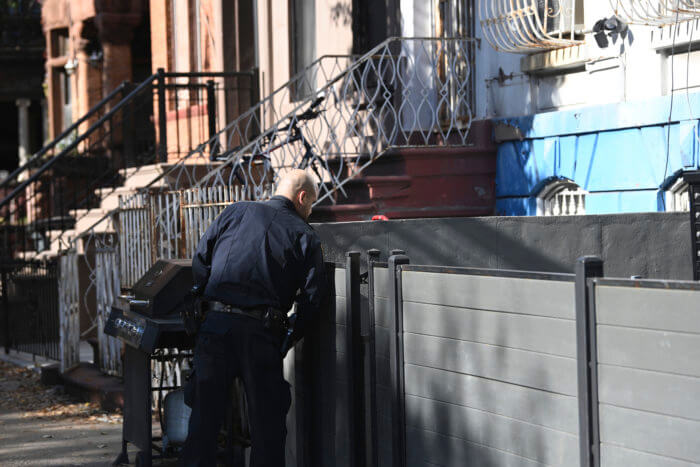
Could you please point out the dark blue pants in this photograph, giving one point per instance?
(230, 346)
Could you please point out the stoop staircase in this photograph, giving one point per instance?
(360, 124)
(387, 132)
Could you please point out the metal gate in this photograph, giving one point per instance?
(69, 310)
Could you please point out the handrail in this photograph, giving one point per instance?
(254, 146)
(325, 89)
(65, 133)
(242, 117)
(77, 141)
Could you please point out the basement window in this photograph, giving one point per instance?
(678, 197)
(561, 198)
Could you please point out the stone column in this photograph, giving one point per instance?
(23, 129)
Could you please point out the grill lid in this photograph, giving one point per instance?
(161, 291)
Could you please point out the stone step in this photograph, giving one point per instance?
(87, 221)
(110, 197)
(144, 175)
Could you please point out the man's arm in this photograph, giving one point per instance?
(313, 292)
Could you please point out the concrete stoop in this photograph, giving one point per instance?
(87, 382)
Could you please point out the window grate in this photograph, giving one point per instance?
(656, 12)
(531, 25)
(561, 198)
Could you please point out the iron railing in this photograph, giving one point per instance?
(72, 174)
(531, 25)
(405, 92)
(656, 12)
(61, 186)
(30, 304)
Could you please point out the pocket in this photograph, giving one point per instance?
(210, 345)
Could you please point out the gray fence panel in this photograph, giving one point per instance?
(555, 411)
(507, 294)
(490, 369)
(382, 338)
(545, 445)
(616, 456)
(526, 332)
(646, 349)
(340, 429)
(648, 374)
(530, 369)
(648, 308)
(430, 448)
(650, 391)
(648, 432)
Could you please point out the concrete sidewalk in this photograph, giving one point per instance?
(42, 425)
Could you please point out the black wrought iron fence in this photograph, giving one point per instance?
(30, 308)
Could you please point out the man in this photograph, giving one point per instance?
(252, 263)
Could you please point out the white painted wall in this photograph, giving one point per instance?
(634, 69)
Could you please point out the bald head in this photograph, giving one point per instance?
(299, 187)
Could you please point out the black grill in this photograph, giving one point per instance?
(149, 321)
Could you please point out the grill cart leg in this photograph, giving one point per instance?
(123, 457)
(143, 458)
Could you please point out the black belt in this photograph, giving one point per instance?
(257, 313)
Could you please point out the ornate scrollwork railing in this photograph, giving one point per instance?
(656, 12)
(530, 25)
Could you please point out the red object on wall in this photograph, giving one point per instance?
(380, 217)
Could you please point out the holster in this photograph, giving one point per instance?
(276, 321)
(194, 311)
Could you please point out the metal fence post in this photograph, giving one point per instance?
(396, 361)
(5, 309)
(162, 118)
(211, 114)
(587, 267)
(352, 334)
(370, 366)
(693, 180)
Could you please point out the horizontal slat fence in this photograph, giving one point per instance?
(648, 361)
(489, 367)
(318, 422)
(383, 323)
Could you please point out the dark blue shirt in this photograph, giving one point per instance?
(258, 254)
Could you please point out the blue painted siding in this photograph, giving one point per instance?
(617, 152)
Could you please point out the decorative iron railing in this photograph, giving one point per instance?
(160, 119)
(404, 92)
(656, 12)
(531, 25)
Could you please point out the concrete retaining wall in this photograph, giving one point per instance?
(653, 245)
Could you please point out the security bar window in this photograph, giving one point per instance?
(562, 198)
(678, 197)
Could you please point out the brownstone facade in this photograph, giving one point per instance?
(90, 51)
